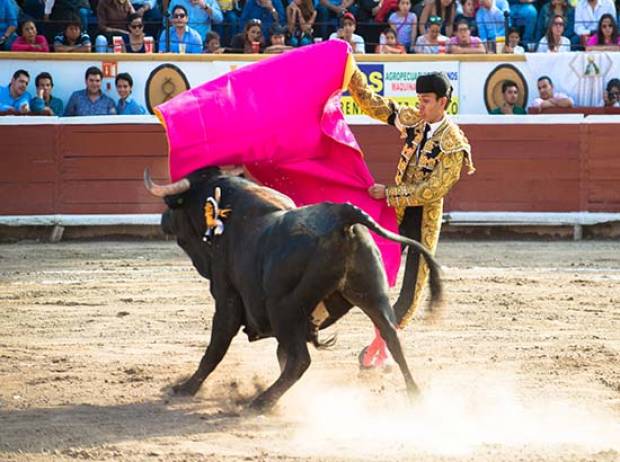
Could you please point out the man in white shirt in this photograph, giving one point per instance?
(589, 12)
(549, 97)
(346, 33)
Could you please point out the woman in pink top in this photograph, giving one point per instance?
(28, 39)
(606, 37)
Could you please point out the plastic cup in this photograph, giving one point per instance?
(499, 44)
(117, 42)
(255, 47)
(182, 48)
(149, 44)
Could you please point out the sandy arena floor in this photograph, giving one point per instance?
(523, 366)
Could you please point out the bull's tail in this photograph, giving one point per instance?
(355, 215)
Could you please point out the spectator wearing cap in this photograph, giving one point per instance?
(202, 14)
(463, 42)
(29, 40)
(251, 40)
(14, 99)
(268, 12)
(44, 102)
(183, 38)
(8, 23)
(278, 40)
(490, 20)
(548, 97)
(91, 101)
(126, 104)
(510, 95)
(72, 39)
(432, 41)
(347, 33)
(330, 13)
(445, 9)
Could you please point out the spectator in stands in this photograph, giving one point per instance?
(468, 13)
(445, 9)
(368, 9)
(134, 42)
(73, 40)
(347, 33)
(612, 93)
(548, 11)
(44, 103)
(278, 40)
(330, 13)
(405, 23)
(523, 13)
(251, 40)
(390, 43)
(431, 42)
(126, 104)
(510, 95)
(213, 45)
(554, 41)
(62, 10)
(386, 8)
(490, 20)
(29, 40)
(91, 101)
(183, 39)
(150, 13)
(300, 18)
(514, 39)
(202, 14)
(8, 23)
(606, 37)
(14, 99)
(549, 97)
(112, 19)
(268, 11)
(463, 42)
(587, 15)
(229, 27)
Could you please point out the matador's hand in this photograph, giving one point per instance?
(377, 191)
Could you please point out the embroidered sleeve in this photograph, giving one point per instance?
(445, 174)
(372, 104)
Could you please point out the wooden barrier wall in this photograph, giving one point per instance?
(97, 169)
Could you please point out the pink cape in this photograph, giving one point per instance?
(281, 119)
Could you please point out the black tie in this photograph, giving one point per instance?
(427, 128)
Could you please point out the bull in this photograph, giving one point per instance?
(281, 271)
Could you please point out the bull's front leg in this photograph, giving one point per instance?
(226, 323)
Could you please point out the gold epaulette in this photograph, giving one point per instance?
(453, 140)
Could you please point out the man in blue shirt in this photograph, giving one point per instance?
(126, 104)
(183, 39)
(269, 12)
(490, 21)
(44, 103)
(14, 99)
(8, 24)
(90, 101)
(201, 14)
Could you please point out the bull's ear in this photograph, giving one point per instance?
(217, 194)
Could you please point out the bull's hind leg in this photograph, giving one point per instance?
(226, 323)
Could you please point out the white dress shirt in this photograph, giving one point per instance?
(586, 17)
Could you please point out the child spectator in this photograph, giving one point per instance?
(606, 37)
(44, 103)
(347, 33)
(278, 40)
(432, 42)
(72, 40)
(469, 14)
(29, 40)
(405, 23)
(14, 99)
(554, 41)
(213, 45)
(463, 42)
(445, 9)
(513, 46)
(251, 40)
(523, 13)
(91, 101)
(183, 39)
(134, 42)
(300, 18)
(390, 43)
(126, 104)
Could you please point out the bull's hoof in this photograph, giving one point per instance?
(365, 363)
(188, 388)
(261, 406)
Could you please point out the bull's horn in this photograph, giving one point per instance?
(177, 187)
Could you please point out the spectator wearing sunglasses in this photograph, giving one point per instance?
(183, 39)
(606, 37)
(134, 42)
(268, 12)
(201, 14)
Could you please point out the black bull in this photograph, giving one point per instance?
(274, 264)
